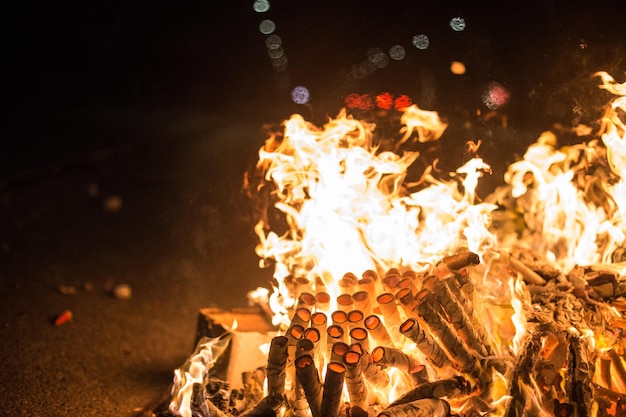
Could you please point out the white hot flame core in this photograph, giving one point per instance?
(348, 209)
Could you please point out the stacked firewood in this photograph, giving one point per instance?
(338, 364)
(360, 341)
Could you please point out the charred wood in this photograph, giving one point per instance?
(425, 342)
(473, 334)
(428, 407)
(391, 357)
(522, 375)
(580, 370)
(372, 372)
(451, 388)
(310, 382)
(464, 360)
(267, 407)
(528, 275)
(333, 387)
(357, 391)
(389, 309)
(276, 362)
(461, 260)
(378, 331)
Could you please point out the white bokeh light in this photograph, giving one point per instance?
(457, 24)
(267, 26)
(261, 6)
(421, 41)
(397, 52)
(273, 42)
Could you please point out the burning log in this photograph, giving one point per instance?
(334, 335)
(580, 371)
(345, 302)
(371, 372)
(451, 388)
(390, 282)
(389, 309)
(322, 300)
(387, 356)
(319, 321)
(522, 375)
(461, 260)
(355, 319)
(370, 282)
(306, 300)
(464, 360)
(408, 281)
(302, 317)
(425, 343)
(338, 350)
(528, 275)
(267, 407)
(362, 302)
(378, 331)
(340, 318)
(428, 407)
(313, 335)
(357, 390)
(333, 387)
(304, 347)
(348, 283)
(618, 364)
(311, 384)
(200, 405)
(276, 362)
(406, 298)
(359, 335)
(473, 334)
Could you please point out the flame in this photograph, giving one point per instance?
(348, 207)
(195, 371)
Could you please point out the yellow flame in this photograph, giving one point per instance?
(348, 209)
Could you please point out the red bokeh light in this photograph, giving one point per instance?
(402, 102)
(384, 101)
(359, 101)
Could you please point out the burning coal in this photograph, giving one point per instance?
(393, 298)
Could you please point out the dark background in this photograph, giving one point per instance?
(161, 104)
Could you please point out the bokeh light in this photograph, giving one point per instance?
(495, 95)
(300, 95)
(280, 64)
(273, 42)
(261, 6)
(276, 53)
(267, 26)
(377, 57)
(457, 24)
(457, 68)
(384, 101)
(397, 52)
(402, 102)
(359, 101)
(421, 41)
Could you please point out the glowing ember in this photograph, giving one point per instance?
(397, 299)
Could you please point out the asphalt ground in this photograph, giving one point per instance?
(165, 218)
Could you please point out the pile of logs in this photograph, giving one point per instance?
(455, 364)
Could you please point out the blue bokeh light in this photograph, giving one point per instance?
(300, 95)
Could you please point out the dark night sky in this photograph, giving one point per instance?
(63, 59)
